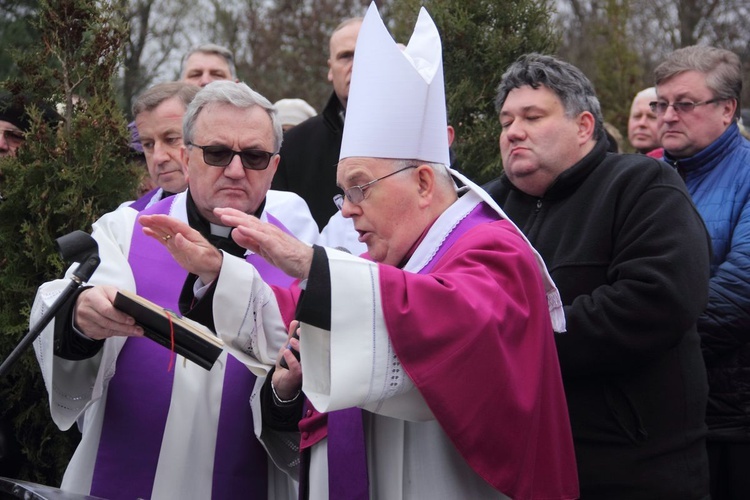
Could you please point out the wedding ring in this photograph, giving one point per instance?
(167, 237)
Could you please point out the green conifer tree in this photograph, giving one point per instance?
(67, 173)
(618, 72)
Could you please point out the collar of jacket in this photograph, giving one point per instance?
(710, 157)
(333, 112)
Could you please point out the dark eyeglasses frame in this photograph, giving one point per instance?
(246, 163)
(356, 194)
(661, 107)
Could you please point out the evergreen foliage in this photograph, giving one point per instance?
(16, 32)
(69, 171)
(618, 74)
(481, 38)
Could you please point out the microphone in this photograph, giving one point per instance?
(80, 247)
(76, 245)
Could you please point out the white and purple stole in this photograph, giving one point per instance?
(140, 393)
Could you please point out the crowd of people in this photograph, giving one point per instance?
(578, 327)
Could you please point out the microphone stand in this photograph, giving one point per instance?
(76, 244)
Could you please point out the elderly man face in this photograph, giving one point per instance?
(202, 68)
(11, 137)
(686, 132)
(390, 217)
(226, 127)
(643, 129)
(538, 140)
(160, 131)
(341, 46)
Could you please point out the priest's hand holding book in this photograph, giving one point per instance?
(96, 316)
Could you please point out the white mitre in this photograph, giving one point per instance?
(396, 105)
(396, 109)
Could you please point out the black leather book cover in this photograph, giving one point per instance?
(191, 340)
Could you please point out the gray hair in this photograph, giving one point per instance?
(238, 95)
(160, 92)
(722, 68)
(571, 86)
(441, 171)
(211, 49)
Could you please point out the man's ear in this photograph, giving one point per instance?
(330, 71)
(586, 124)
(426, 182)
(728, 111)
(273, 163)
(451, 135)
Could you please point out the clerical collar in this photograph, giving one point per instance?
(222, 231)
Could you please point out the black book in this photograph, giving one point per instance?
(192, 340)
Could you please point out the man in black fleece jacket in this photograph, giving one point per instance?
(630, 255)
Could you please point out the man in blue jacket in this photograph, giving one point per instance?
(697, 107)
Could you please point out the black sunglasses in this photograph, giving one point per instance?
(221, 156)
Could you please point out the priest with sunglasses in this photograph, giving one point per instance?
(155, 425)
(428, 370)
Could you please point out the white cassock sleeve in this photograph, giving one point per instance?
(247, 316)
(354, 365)
(73, 385)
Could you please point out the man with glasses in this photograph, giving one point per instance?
(433, 363)
(148, 431)
(698, 105)
(629, 253)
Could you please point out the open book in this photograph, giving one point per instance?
(191, 339)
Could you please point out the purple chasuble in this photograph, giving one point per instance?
(140, 392)
(347, 456)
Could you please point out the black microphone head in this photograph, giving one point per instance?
(76, 246)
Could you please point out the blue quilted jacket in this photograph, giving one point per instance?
(718, 179)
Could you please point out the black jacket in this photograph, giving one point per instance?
(630, 255)
(309, 156)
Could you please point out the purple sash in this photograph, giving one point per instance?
(139, 394)
(144, 200)
(347, 456)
